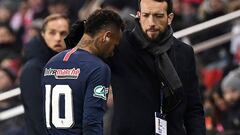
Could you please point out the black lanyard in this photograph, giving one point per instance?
(161, 98)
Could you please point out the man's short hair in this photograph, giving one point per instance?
(54, 17)
(169, 5)
(102, 18)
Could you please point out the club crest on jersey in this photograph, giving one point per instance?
(62, 73)
(100, 92)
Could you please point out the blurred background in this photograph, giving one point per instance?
(212, 27)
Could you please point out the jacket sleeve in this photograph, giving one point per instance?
(31, 97)
(194, 116)
(30, 80)
(95, 101)
(75, 34)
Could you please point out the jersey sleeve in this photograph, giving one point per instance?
(95, 101)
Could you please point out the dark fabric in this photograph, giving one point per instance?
(136, 90)
(76, 32)
(158, 48)
(231, 118)
(36, 56)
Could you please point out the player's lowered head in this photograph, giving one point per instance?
(55, 28)
(103, 31)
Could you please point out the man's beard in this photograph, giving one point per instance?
(159, 36)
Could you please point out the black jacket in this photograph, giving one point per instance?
(231, 118)
(36, 55)
(136, 91)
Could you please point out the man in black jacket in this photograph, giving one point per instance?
(152, 72)
(154, 78)
(37, 53)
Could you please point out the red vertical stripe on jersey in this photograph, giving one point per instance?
(67, 56)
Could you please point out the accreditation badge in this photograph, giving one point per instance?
(160, 124)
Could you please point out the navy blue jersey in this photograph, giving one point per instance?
(75, 85)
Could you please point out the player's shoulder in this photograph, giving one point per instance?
(88, 58)
(59, 56)
(56, 58)
(77, 57)
(99, 65)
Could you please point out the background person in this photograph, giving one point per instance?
(39, 50)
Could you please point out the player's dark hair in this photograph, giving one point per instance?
(169, 5)
(101, 19)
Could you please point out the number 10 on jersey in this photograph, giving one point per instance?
(52, 104)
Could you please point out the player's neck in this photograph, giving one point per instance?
(86, 43)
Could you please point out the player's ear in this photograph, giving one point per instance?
(106, 36)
